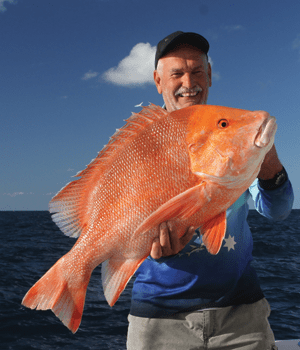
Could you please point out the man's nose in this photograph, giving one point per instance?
(188, 81)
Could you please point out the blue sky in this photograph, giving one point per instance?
(65, 86)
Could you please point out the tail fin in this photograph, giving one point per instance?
(65, 297)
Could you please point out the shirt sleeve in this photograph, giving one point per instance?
(275, 204)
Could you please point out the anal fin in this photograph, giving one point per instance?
(116, 273)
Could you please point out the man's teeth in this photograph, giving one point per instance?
(189, 94)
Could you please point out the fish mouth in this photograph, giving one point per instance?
(266, 132)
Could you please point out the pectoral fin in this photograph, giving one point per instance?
(213, 232)
(182, 207)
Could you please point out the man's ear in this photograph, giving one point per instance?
(157, 81)
(209, 73)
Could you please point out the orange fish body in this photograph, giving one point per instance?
(188, 166)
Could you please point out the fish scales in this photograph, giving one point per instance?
(187, 166)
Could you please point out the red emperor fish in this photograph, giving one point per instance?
(187, 166)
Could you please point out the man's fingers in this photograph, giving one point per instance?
(164, 237)
(168, 242)
(156, 251)
(161, 246)
(175, 246)
(184, 240)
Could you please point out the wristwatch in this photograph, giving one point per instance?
(278, 180)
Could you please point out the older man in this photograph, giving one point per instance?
(183, 297)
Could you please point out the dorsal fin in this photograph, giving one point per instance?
(70, 204)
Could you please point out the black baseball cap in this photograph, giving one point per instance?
(173, 40)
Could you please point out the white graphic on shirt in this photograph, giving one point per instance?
(229, 243)
(195, 248)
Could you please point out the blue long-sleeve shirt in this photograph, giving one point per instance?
(193, 279)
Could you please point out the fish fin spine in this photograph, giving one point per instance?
(70, 205)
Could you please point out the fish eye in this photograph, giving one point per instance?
(223, 123)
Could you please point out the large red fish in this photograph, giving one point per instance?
(188, 166)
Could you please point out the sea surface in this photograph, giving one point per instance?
(30, 243)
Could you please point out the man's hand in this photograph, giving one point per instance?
(168, 242)
(270, 166)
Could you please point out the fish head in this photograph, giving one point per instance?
(228, 144)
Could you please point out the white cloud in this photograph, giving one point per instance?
(2, 8)
(233, 28)
(14, 194)
(215, 75)
(296, 43)
(89, 75)
(135, 69)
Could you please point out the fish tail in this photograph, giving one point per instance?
(64, 296)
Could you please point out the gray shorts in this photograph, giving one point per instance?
(243, 327)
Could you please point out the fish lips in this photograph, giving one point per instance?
(266, 132)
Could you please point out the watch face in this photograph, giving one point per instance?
(280, 178)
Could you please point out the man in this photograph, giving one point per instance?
(183, 297)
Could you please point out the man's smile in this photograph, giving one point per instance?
(189, 94)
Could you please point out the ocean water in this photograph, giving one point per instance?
(31, 243)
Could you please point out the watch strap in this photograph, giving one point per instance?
(278, 180)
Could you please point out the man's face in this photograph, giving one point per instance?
(183, 77)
